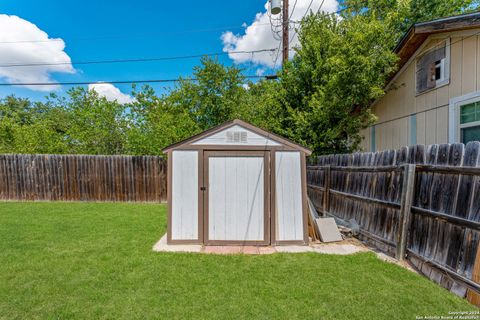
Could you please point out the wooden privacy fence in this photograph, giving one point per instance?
(421, 203)
(83, 178)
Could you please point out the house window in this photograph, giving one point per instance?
(440, 70)
(433, 68)
(464, 118)
(470, 122)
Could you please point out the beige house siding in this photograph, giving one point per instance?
(401, 107)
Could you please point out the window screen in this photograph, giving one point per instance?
(429, 69)
(470, 134)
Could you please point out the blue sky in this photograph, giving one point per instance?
(99, 30)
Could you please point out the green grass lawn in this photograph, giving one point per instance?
(89, 261)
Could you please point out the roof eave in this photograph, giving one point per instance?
(419, 32)
(231, 123)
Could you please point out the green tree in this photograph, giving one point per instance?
(321, 99)
(155, 122)
(339, 68)
(217, 95)
(27, 127)
(95, 124)
(400, 15)
(342, 65)
(263, 105)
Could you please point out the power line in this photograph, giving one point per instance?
(293, 10)
(306, 12)
(309, 6)
(137, 35)
(295, 32)
(267, 77)
(132, 36)
(324, 13)
(299, 21)
(321, 5)
(133, 60)
(277, 55)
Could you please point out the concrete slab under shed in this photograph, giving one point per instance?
(293, 249)
(162, 246)
(341, 248)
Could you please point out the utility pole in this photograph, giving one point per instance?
(282, 23)
(285, 34)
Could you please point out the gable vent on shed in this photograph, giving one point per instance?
(237, 137)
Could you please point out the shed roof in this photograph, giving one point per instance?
(246, 125)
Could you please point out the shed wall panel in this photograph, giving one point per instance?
(288, 190)
(184, 195)
(236, 198)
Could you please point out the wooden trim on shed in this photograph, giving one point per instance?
(199, 239)
(266, 191)
(169, 197)
(235, 148)
(273, 198)
(201, 196)
(268, 153)
(303, 164)
(303, 174)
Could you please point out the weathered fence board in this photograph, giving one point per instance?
(443, 232)
(83, 178)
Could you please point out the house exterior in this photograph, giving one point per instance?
(434, 97)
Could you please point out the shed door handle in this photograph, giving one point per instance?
(203, 188)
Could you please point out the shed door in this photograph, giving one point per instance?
(237, 198)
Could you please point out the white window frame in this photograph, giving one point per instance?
(454, 126)
(445, 64)
(442, 72)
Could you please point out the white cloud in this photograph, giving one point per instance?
(111, 92)
(258, 35)
(260, 72)
(22, 42)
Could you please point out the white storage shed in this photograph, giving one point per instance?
(237, 184)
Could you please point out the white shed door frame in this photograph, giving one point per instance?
(237, 197)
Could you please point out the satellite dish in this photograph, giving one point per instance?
(275, 6)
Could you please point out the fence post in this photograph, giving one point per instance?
(326, 194)
(405, 209)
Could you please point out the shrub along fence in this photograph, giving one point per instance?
(83, 178)
(420, 203)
